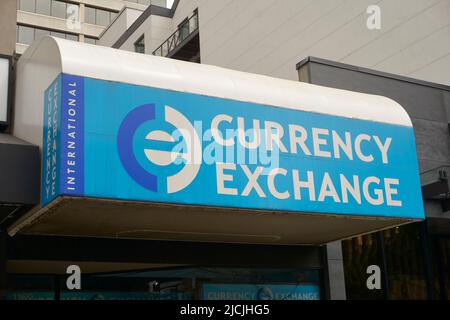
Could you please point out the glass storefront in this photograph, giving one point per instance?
(181, 283)
(404, 252)
(358, 254)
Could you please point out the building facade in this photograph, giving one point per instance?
(268, 37)
(81, 21)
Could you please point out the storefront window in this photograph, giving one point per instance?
(360, 253)
(26, 5)
(39, 33)
(59, 9)
(181, 283)
(442, 279)
(52, 8)
(31, 287)
(139, 45)
(25, 35)
(401, 249)
(405, 262)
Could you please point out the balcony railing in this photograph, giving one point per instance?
(175, 39)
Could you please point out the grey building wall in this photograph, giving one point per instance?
(8, 18)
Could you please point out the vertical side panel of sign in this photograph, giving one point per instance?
(51, 142)
(72, 135)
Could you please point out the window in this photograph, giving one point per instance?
(44, 7)
(90, 40)
(159, 3)
(59, 9)
(52, 8)
(39, 33)
(72, 37)
(139, 46)
(146, 2)
(58, 34)
(26, 35)
(405, 262)
(359, 253)
(401, 249)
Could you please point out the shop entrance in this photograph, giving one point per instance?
(113, 269)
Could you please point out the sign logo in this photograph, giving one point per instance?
(192, 155)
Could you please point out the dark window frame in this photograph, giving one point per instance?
(140, 43)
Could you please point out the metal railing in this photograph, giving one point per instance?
(185, 29)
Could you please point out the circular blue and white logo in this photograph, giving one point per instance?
(191, 156)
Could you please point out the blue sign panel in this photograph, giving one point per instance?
(260, 292)
(129, 142)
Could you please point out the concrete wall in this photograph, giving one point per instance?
(105, 4)
(271, 36)
(8, 10)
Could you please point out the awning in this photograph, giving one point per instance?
(138, 146)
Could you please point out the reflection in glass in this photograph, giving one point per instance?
(172, 284)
